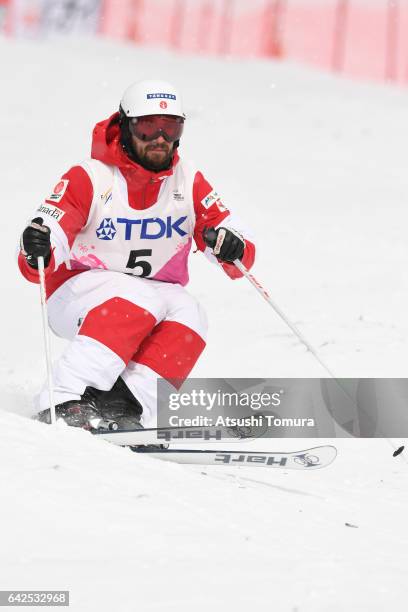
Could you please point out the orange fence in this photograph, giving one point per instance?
(362, 38)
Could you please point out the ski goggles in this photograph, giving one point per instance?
(150, 127)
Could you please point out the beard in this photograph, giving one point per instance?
(156, 157)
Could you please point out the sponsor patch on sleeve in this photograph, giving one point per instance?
(58, 192)
(51, 211)
(213, 198)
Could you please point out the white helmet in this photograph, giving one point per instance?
(152, 98)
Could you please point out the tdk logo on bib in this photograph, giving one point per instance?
(149, 229)
(106, 230)
(152, 229)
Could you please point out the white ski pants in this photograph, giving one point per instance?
(120, 324)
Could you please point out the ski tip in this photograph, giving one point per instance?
(398, 451)
(331, 454)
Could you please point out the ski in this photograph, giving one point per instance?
(140, 439)
(309, 459)
(179, 435)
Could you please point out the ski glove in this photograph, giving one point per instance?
(36, 242)
(227, 244)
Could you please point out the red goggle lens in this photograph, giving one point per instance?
(151, 127)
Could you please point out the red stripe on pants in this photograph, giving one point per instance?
(171, 350)
(118, 324)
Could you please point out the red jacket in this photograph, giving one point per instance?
(143, 189)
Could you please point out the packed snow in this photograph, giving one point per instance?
(317, 167)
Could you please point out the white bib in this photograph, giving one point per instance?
(153, 243)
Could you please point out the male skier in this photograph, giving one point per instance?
(115, 234)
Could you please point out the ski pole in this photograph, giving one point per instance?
(282, 315)
(264, 293)
(46, 338)
(210, 238)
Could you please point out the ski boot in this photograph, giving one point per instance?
(96, 410)
(112, 410)
(78, 413)
(121, 406)
(118, 405)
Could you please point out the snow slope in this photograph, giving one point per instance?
(317, 166)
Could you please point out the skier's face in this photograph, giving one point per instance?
(154, 154)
